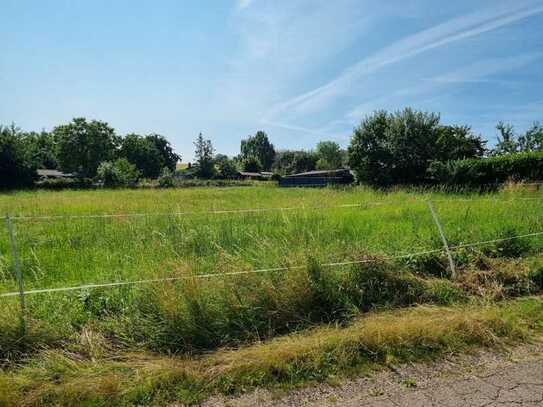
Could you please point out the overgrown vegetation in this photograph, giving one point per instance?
(82, 329)
(490, 171)
(93, 372)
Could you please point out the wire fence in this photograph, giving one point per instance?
(258, 210)
(267, 270)
(446, 247)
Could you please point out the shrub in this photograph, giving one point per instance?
(486, 171)
(65, 183)
(251, 164)
(381, 285)
(118, 173)
(227, 169)
(509, 248)
(166, 179)
(432, 264)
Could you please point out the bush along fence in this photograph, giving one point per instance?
(485, 172)
(447, 249)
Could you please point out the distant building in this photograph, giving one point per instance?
(318, 178)
(54, 174)
(261, 176)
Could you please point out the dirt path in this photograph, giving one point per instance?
(513, 378)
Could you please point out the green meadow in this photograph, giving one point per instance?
(172, 232)
(180, 234)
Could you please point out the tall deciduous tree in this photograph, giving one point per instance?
(83, 145)
(398, 148)
(507, 143)
(369, 155)
(43, 149)
(150, 154)
(457, 143)
(142, 153)
(17, 169)
(259, 146)
(168, 158)
(532, 140)
(330, 155)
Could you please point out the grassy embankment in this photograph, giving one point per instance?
(194, 315)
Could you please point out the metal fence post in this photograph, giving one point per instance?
(443, 239)
(18, 273)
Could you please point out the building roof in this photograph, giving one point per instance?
(53, 173)
(321, 173)
(250, 174)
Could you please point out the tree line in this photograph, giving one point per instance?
(87, 149)
(413, 147)
(404, 147)
(258, 154)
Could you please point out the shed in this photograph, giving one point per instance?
(318, 178)
(53, 174)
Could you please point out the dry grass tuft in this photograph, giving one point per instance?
(141, 378)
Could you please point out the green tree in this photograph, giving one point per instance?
(150, 154)
(204, 158)
(329, 154)
(532, 140)
(289, 162)
(507, 143)
(458, 143)
(398, 148)
(251, 164)
(118, 173)
(42, 148)
(141, 152)
(259, 146)
(369, 155)
(226, 168)
(17, 169)
(168, 158)
(83, 145)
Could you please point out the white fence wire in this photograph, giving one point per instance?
(447, 248)
(266, 270)
(259, 210)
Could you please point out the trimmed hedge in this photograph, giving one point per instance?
(487, 171)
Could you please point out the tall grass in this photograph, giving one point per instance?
(194, 315)
(62, 252)
(100, 376)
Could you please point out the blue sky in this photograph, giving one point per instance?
(303, 71)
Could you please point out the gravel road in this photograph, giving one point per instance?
(505, 378)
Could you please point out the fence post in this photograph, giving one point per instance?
(443, 239)
(18, 273)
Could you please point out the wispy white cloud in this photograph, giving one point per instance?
(477, 72)
(300, 129)
(279, 45)
(483, 70)
(453, 30)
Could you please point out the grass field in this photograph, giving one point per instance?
(191, 316)
(60, 252)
